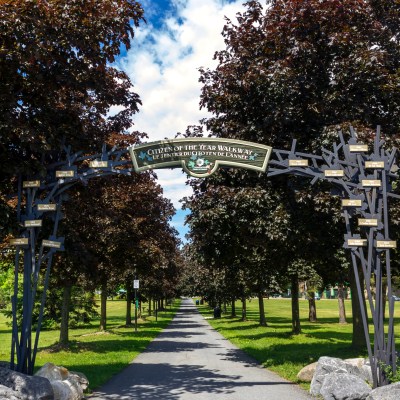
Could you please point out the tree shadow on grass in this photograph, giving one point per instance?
(98, 347)
(302, 354)
(114, 345)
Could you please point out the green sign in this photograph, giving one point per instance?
(200, 157)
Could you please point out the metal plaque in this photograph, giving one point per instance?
(200, 157)
(32, 223)
(331, 173)
(19, 242)
(367, 222)
(51, 243)
(356, 242)
(355, 148)
(31, 184)
(375, 164)
(47, 207)
(298, 163)
(65, 174)
(351, 203)
(386, 244)
(371, 182)
(98, 164)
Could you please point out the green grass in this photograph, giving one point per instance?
(98, 355)
(276, 348)
(101, 355)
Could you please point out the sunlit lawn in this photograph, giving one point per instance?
(276, 348)
(98, 355)
(101, 355)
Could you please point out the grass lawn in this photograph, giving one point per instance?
(98, 355)
(276, 348)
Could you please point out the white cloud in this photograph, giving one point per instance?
(173, 184)
(163, 65)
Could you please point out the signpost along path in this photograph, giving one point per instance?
(362, 178)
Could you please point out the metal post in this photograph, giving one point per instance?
(136, 301)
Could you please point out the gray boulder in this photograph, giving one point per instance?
(357, 362)
(66, 385)
(344, 386)
(26, 387)
(7, 393)
(306, 374)
(327, 365)
(388, 392)
(80, 378)
(67, 390)
(364, 366)
(367, 373)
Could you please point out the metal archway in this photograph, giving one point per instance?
(362, 178)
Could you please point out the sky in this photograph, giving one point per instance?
(180, 37)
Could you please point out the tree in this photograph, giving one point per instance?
(233, 229)
(125, 227)
(298, 68)
(57, 81)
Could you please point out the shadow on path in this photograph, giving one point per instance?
(169, 382)
(190, 360)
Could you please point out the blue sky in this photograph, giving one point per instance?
(180, 36)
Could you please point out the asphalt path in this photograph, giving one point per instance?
(190, 360)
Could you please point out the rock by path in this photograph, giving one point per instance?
(190, 360)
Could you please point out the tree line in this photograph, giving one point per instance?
(291, 70)
(60, 87)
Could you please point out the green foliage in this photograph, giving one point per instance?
(391, 376)
(6, 283)
(83, 308)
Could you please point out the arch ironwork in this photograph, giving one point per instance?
(362, 178)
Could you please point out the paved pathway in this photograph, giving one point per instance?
(190, 360)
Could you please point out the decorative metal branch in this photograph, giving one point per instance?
(363, 181)
(43, 199)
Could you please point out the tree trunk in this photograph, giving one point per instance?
(342, 309)
(358, 339)
(66, 301)
(233, 311)
(150, 306)
(162, 304)
(312, 307)
(244, 311)
(296, 328)
(103, 307)
(129, 295)
(263, 321)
